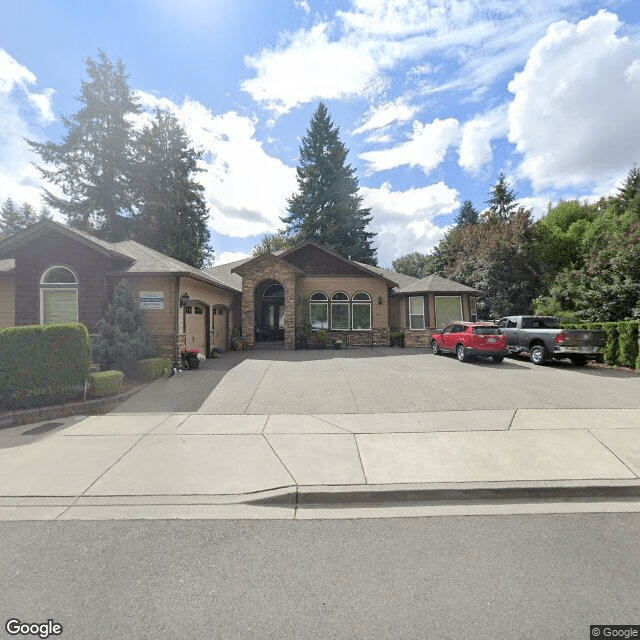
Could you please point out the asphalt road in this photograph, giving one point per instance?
(542, 577)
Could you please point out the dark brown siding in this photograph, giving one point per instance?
(89, 266)
(314, 261)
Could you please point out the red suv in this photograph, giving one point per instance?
(470, 339)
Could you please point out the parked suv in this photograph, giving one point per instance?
(470, 339)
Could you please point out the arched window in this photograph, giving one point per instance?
(274, 291)
(319, 310)
(58, 296)
(361, 311)
(340, 311)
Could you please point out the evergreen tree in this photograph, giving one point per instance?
(326, 209)
(274, 242)
(14, 219)
(94, 163)
(502, 204)
(467, 214)
(416, 264)
(173, 213)
(122, 340)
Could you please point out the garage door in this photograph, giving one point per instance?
(195, 316)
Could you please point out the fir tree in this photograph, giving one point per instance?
(122, 340)
(326, 209)
(274, 242)
(467, 215)
(173, 213)
(14, 219)
(94, 163)
(502, 204)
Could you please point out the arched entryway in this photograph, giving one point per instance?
(269, 313)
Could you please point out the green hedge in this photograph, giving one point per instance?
(105, 383)
(43, 364)
(623, 341)
(153, 368)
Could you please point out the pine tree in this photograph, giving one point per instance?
(274, 242)
(93, 164)
(502, 204)
(467, 215)
(173, 213)
(14, 219)
(326, 209)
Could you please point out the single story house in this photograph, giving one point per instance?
(52, 273)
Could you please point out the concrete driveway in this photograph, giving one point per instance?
(383, 380)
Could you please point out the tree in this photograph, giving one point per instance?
(173, 213)
(274, 242)
(122, 340)
(94, 163)
(467, 215)
(416, 264)
(327, 208)
(14, 219)
(502, 203)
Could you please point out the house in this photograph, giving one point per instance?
(52, 273)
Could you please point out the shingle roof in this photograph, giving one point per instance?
(148, 260)
(400, 278)
(438, 284)
(222, 272)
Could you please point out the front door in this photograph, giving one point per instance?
(219, 327)
(196, 324)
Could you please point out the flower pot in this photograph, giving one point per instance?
(237, 345)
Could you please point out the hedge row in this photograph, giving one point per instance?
(105, 383)
(623, 341)
(153, 368)
(43, 364)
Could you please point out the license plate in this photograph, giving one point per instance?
(492, 340)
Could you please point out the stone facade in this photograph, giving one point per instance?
(418, 338)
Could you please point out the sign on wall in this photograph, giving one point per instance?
(151, 299)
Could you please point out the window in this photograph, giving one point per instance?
(198, 311)
(188, 309)
(448, 309)
(361, 311)
(473, 308)
(319, 310)
(58, 296)
(340, 311)
(416, 312)
(274, 291)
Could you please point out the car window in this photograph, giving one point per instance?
(511, 324)
(503, 322)
(486, 331)
(448, 329)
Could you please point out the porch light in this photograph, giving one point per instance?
(379, 299)
(184, 299)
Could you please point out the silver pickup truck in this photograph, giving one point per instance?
(543, 339)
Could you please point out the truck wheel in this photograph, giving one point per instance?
(497, 358)
(435, 348)
(538, 354)
(461, 353)
(578, 361)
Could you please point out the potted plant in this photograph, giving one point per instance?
(337, 344)
(321, 337)
(190, 358)
(236, 340)
(397, 339)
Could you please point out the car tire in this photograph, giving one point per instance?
(497, 358)
(578, 361)
(461, 353)
(538, 354)
(435, 348)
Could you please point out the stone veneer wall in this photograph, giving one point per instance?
(269, 268)
(418, 337)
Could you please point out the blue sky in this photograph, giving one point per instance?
(433, 99)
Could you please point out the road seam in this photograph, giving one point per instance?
(346, 379)
(615, 455)
(264, 373)
(512, 419)
(281, 462)
(364, 475)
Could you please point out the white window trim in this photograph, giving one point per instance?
(57, 288)
(411, 328)
(58, 284)
(461, 312)
(346, 304)
(364, 304)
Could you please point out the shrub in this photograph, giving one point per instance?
(43, 364)
(628, 343)
(611, 350)
(152, 368)
(105, 383)
(638, 358)
(122, 340)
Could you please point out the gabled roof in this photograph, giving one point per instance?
(251, 261)
(436, 284)
(46, 226)
(401, 279)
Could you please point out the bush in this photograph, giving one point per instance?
(122, 340)
(638, 358)
(105, 383)
(153, 368)
(628, 343)
(611, 350)
(43, 364)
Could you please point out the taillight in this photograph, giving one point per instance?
(560, 338)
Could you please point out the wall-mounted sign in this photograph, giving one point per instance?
(151, 299)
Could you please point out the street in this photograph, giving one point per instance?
(496, 577)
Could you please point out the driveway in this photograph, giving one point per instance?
(383, 380)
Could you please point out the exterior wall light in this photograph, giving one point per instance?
(184, 299)
(379, 299)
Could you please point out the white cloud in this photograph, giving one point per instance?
(302, 4)
(22, 113)
(574, 115)
(475, 146)
(230, 256)
(403, 220)
(245, 187)
(426, 147)
(386, 114)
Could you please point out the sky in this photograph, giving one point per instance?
(433, 99)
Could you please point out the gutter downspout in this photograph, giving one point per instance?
(176, 313)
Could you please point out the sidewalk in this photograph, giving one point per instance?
(200, 465)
